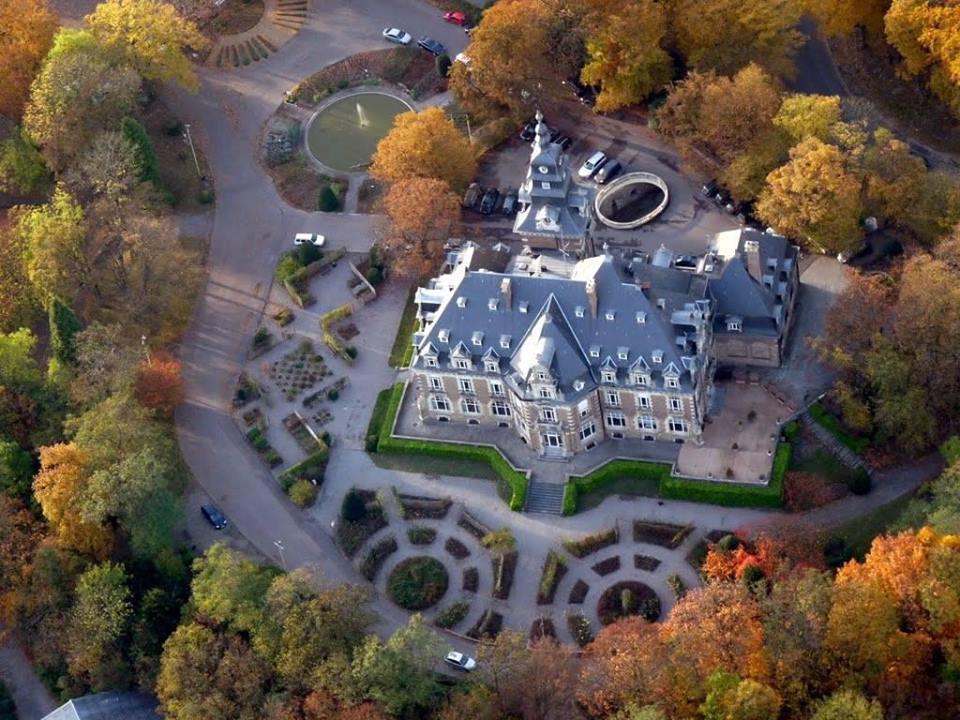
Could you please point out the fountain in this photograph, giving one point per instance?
(362, 116)
(344, 133)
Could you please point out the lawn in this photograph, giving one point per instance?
(635, 486)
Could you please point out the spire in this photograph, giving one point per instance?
(542, 131)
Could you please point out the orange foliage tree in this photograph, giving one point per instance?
(159, 383)
(27, 33)
(422, 214)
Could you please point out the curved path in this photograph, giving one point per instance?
(251, 227)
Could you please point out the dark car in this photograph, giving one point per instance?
(509, 206)
(709, 189)
(564, 141)
(608, 172)
(432, 46)
(489, 201)
(472, 196)
(214, 516)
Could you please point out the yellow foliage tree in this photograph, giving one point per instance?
(425, 144)
(803, 116)
(625, 54)
(58, 487)
(149, 35)
(26, 35)
(842, 17)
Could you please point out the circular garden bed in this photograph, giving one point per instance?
(628, 598)
(418, 583)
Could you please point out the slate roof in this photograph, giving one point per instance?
(551, 317)
(108, 706)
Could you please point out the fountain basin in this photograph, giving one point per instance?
(343, 134)
(632, 200)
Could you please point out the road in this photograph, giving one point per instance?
(29, 694)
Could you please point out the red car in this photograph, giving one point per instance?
(457, 18)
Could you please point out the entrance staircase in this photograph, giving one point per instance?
(545, 498)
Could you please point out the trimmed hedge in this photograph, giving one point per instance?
(326, 321)
(607, 474)
(376, 419)
(310, 469)
(387, 443)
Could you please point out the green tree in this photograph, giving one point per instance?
(815, 197)
(136, 135)
(847, 705)
(625, 54)
(731, 698)
(149, 35)
(204, 674)
(106, 364)
(64, 326)
(399, 673)
(230, 589)
(17, 364)
(803, 116)
(638, 712)
(53, 245)
(22, 170)
(936, 207)
(99, 620)
(16, 470)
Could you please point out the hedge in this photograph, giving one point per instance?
(376, 419)
(606, 474)
(310, 469)
(331, 341)
(732, 494)
(387, 443)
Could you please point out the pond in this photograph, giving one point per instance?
(344, 134)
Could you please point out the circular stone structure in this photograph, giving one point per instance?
(418, 583)
(344, 132)
(631, 200)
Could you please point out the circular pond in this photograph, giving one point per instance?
(632, 200)
(344, 133)
(418, 583)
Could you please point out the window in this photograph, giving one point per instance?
(578, 311)
(470, 406)
(640, 379)
(671, 382)
(647, 422)
(644, 402)
(492, 366)
(430, 362)
(584, 408)
(465, 385)
(548, 414)
(439, 403)
(541, 376)
(492, 304)
(443, 336)
(623, 353)
(436, 383)
(610, 314)
(734, 326)
(524, 306)
(496, 389)
(676, 404)
(613, 398)
(546, 393)
(616, 420)
(500, 408)
(677, 425)
(505, 342)
(461, 302)
(657, 356)
(594, 351)
(641, 317)
(588, 429)
(460, 364)
(546, 185)
(608, 376)
(477, 338)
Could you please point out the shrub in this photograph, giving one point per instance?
(827, 420)
(261, 337)
(553, 571)
(146, 155)
(452, 615)
(592, 543)
(303, 493)
(950, 449)
(333, 395)
(639, 470)
(351, 351)
(751, 575)
(377, 418)
(615, 602)
(677, 586)
(377, 555)
(353, 508)
(308, 253)
(791, 430)
(287, 266)
(728, 543)
(860, 483)
(579, 627)
(664, 535)
(327, 199)
(418, 583)
(443, 65)
(284, 316)
(420, 535)
(374, 276)
(733, 494)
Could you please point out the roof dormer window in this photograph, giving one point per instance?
(578, 311)
(734, 325)
(641, 317)
(505, 342)
(623, 353)
(608, 376)
(461, 301)
(477, 338)
(492, 304)
(443, 336)
(594, 351)
(492, 366)
(610, 314)
(657, 356)
(524, 306)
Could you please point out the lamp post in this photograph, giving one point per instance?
(193, 152)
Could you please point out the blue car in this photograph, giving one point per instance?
(214, 516)
(431, 45)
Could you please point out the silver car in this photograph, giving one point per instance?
(460, 661)
(396, 35)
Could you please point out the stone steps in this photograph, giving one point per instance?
(281, 20)
(544, 497)
(841, 451)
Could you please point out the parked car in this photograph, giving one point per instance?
(460, 661)
(608, 172)
(709, 189)
(214, 516)
(462, 58)
(509, 206)
(309, 239)
(456, 17)
(564, 141)
(432, 46)
(489, 201)
(593, 163)
(397, 35)
(472, 196)
(530, 130)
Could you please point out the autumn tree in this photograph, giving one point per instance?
(730, 697)
(22, 170)
(847, 705)
(715, 120)
(150, 36)
(108, 168)
(106, 364)
(625, 54)
(425, 144)
(20, 533)
(77, 93)
(228, 588)
(815, 197)
(727, 35)
(98, 621)
(802, 116)
(842, 17)
(422, 214)
(159, 383)
(28, 28)
(894, 178)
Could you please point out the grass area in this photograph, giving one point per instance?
(822, 464)
(175, 165)
(624, 485)
(859, 533)
(300, 185)
(402, 351)
(832, 424)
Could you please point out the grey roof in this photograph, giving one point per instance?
(551, 317)
(108, 706)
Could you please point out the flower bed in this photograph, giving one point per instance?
(418, 508)
(456, 548)
(376, 556)
(542, 628)
(592, 543)
(473, 526)
(452, 614)
(418, 583)
(578, 593)
(504, 567)
(488, 626)
(312, 469)
(346, 352)
(580, 628)
(628, 598)
(471, 579)
(259, 442)
(353, 532)
(419, 535)
(662, 534)
(608, 566)
(553, 571)
(645, 562)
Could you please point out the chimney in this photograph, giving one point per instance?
(751, 251)
(591, 289)
(506, 292)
